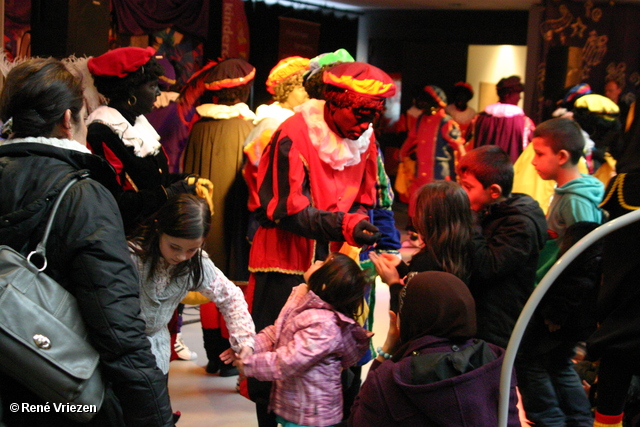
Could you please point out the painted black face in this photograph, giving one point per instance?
(146, 95)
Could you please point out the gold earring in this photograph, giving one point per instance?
(132, 103)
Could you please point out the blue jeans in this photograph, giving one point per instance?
(552, 393)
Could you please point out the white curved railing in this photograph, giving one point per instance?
(536, 297)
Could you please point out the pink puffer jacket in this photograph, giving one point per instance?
(304, 354)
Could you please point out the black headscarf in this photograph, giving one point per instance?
(438, 304)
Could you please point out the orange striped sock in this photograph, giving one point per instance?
(608, 420)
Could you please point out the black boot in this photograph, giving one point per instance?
(210, 337)
(214, 345)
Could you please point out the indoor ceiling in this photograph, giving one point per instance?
(436, 4)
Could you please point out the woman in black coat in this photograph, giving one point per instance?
(42, 109)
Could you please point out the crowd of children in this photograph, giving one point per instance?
(305, 180)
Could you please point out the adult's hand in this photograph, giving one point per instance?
(365, 233)
(261, 216)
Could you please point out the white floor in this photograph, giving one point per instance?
(205, 399)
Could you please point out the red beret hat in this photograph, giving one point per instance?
(361, 78)
(120, 62)
(284, 69)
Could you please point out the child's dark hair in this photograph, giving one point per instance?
(443, 220)
(489, 164)
(121, 88)
(345, 284)
(184, 216)
(562, 134)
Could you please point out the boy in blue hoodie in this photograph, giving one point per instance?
(558, 145)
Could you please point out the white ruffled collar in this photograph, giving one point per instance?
(272, 111)
(504, 110)
(68, 144)
(335, 151)
(220, 112)
(141, 136)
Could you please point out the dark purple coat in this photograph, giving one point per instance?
(388, 397)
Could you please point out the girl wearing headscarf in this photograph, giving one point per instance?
(430, 371)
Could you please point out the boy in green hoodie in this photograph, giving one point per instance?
(551, 391)
(558, 145)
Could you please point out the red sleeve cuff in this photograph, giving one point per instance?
(349, 222)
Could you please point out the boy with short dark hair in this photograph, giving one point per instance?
(511, 232)
(558, 145)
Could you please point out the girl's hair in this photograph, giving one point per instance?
(184, 216)
(443, 220)
(345, 284)
(121, 88)
(36, 95)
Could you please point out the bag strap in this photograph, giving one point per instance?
(41, 247)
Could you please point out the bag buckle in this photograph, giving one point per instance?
(42, 341)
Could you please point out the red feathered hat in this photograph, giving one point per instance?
(361, 78)
(120, 62)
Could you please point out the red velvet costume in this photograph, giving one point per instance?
(434, 140)
(288, 169)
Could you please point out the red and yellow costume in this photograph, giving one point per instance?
(302, 192)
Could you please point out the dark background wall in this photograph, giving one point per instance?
(336, 31)
(430, 47)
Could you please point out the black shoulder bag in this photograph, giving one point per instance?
(43, 340)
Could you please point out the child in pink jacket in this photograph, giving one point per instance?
(313, 339)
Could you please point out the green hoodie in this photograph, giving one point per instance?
(575, 201)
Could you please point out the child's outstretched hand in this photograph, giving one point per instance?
(229, 356)
(385, 265)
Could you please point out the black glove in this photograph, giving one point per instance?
(261, 216)
(365, 233)
(179, 187)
